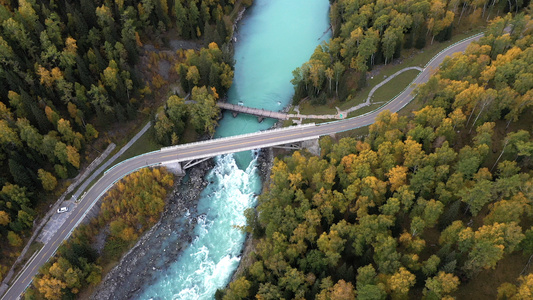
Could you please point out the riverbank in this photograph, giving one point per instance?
(154, 250)
(265, 162)
(125, 280)
(210, 260)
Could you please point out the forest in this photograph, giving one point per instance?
(419, 207)
(69, 71)
(366, 33)
(130, 208)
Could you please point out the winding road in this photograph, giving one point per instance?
(213, 148)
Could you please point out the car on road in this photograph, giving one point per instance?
(62, 210)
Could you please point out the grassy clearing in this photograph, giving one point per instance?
(388, 91)
(409, 108)
(394, 87)
(365, 109)
(360, 132)
(381, 96)
(146, 143)
(409, 58)
(307, 108)
(485, 284)
(34, 248)
(357, 133)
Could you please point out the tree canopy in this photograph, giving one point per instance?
(419, 205)
(69, 70)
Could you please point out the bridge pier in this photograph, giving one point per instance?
(312, 146)
(194, 162)
(291, 146)
(175, 168)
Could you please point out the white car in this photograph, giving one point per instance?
(62, 210)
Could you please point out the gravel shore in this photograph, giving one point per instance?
(162, 244)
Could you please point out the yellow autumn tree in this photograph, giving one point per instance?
(397, 177)
(400, 282)
(48, 180)
(73, 156)
(50, 287)
(4, 218)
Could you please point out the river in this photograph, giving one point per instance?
(274, 38)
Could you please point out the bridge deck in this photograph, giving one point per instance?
(253, 111)
(273, 114)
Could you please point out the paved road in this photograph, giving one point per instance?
(208, 149)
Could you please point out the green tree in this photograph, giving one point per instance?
(385, 254)
(479, 193)
(25, 217)
(469, 160)
(332, 245)
(193, 76)
(516, 143)
(338, 71)
(429, 267)
(293, 280)
(389, 41)
(48, 180)
(484, 134)
(163, 127)
(238, 289)
(507, 211)
(8, 136)
(14, 239)
(368, 285)
(17, 194)
(269, 291)
(488, 244)
(193, 18)
(90, 133)
(204, 112)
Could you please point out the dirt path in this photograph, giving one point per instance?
(342, 114)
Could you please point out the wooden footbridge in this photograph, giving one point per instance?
(259, 113)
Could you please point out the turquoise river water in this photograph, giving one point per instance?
(274, 38)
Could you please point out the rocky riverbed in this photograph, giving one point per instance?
(163, 244)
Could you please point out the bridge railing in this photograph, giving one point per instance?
(249, 148)
(189, 145)
(260, 112)
(119, 163)
(452, 45)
